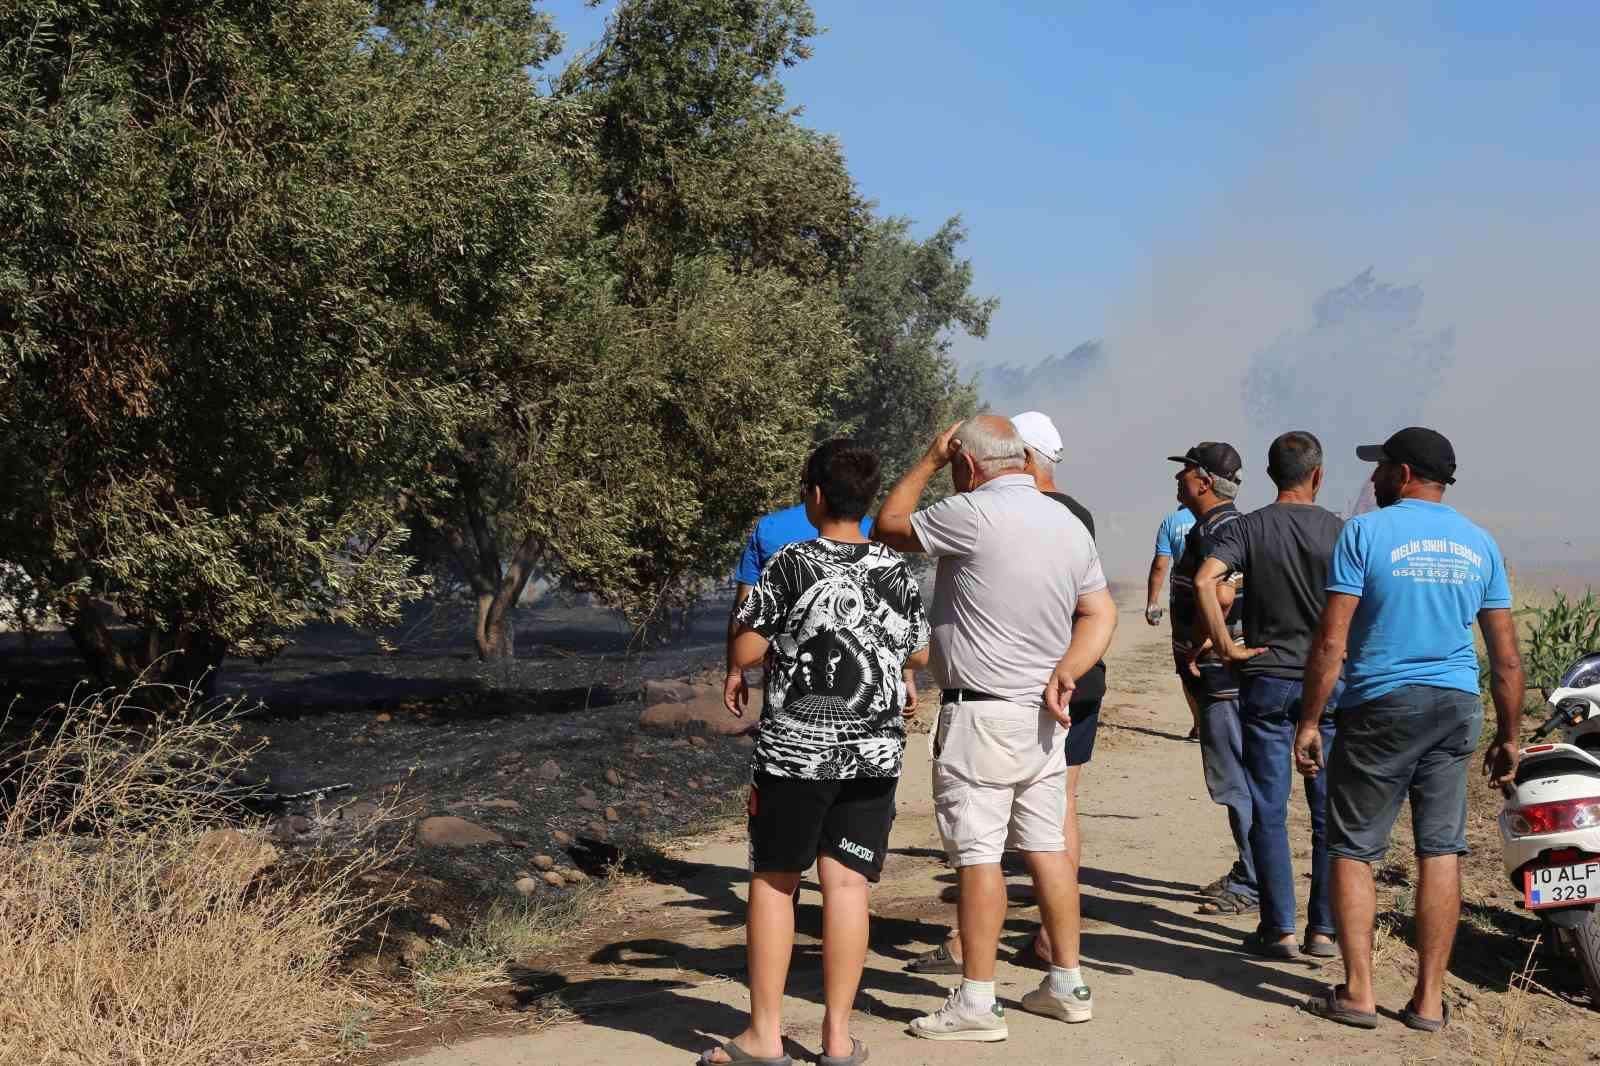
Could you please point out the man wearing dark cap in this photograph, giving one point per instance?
(1404, 586)
(1207, 485)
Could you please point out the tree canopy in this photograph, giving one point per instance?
(293, 292)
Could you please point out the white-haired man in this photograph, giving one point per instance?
(1020, 612)
(1042, 451)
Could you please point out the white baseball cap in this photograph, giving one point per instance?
(1039, 433)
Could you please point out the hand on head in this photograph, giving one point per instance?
(945, 446)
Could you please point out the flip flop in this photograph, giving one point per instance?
(1416, 1021)
(739, 1055)
(1228, 904)
(1257, 944)
(1327, 1006)
(858, 1055)
(1319, 949)
(937, 961)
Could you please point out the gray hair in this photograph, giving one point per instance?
(994, 448)
(1223, 487)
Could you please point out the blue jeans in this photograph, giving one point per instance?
(1221, 759)
(1269, 716)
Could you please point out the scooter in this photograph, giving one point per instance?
(1550, 826)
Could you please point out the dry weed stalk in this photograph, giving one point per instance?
(133, 926)
(1514, 1012)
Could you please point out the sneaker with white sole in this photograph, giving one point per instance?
(958, 1021)
(1075, 1006)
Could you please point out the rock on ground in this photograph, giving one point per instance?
(448, 831)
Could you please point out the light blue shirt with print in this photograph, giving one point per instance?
(1423, 573)
(1173, 531)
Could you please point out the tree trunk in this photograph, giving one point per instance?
(496, 628)
(107, 660)
(184, 660)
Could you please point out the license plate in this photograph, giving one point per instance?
(1561, 886)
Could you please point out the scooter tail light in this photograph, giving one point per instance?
(1561, 816)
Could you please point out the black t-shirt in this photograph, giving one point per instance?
(1188, 626)
(1092, 685)
(1283, 550)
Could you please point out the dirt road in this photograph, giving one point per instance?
(1170, 985)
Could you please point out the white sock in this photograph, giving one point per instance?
(977, 994)
(1063, 979)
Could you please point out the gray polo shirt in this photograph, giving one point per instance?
(1012, 564)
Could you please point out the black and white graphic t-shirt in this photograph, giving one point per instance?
(842, 620)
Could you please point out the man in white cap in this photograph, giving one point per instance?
(1042, 444)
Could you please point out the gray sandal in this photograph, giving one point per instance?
(858, 1055)
(1327, 1006)
(1416, 1021)
(1319, 949)
(937, 961)
(1258, 944)
(739, 1055)
(1228, 904)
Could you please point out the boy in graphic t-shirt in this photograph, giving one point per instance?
(1405, 584)
(842, 618)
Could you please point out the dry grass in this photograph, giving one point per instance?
(453, 974)
(134, 927)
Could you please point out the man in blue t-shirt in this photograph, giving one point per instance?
(1171, 536)
(1405, 583)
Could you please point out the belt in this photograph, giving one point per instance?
(965, 695)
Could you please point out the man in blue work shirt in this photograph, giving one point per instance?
(1405, 584)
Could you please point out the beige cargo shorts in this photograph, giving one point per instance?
(999, 780)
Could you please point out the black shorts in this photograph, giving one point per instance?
(1085, 716)
(793, 820)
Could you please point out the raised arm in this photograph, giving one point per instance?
(893, 524)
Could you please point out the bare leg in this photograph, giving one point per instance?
(1055, 881)
(1355, 906)
(1074, 855)
(1194, 708)
(1438, 911)
(981, 913)
(769, 940)
(844, 949)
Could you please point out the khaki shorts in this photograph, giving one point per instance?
(999, 780)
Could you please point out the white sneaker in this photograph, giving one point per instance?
(958, 1021)
(1075, 1006)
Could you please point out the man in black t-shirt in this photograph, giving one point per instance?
(1283, 550)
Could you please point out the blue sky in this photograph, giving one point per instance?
(1185, 180)
(1079, 141)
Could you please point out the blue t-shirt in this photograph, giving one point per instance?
(1423, 573)
(1173, 531)
(772, 532)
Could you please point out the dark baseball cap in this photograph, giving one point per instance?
(1425, 451)
(1214, 457)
